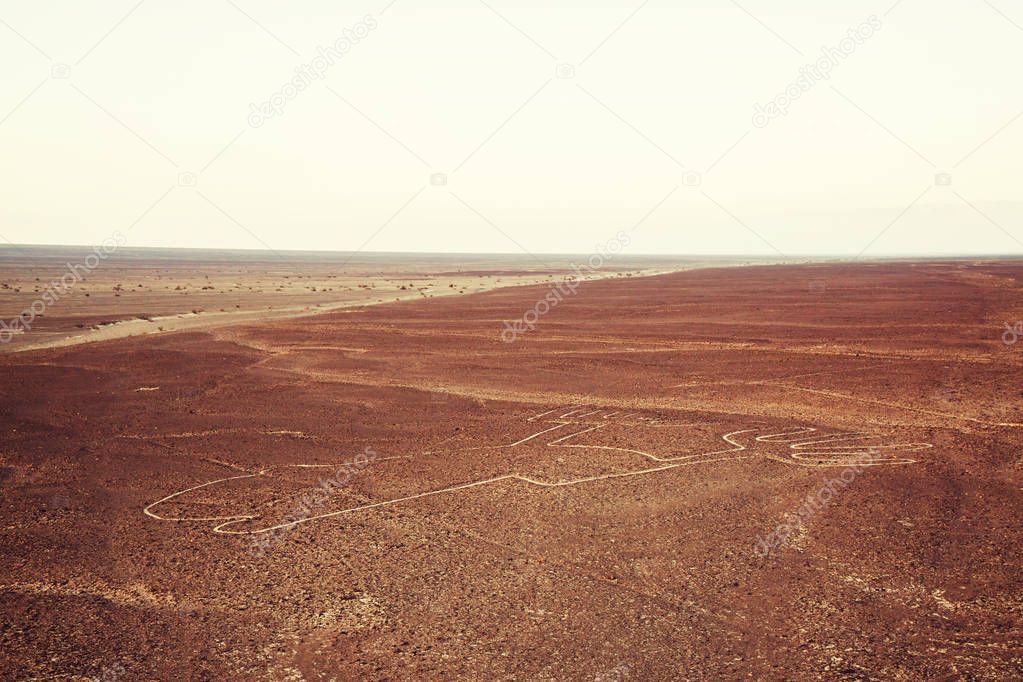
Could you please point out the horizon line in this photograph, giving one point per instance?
(769, 257)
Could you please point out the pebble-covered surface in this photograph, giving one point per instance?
(655, 442)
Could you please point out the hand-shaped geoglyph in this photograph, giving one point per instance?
(538, 460)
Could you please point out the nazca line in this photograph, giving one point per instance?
(796, 444)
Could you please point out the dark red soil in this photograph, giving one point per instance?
(912, 571)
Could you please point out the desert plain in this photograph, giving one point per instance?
(689, 471)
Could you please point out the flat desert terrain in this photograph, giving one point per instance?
(795, 471)
(133, 292)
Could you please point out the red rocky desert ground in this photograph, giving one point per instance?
(770, 472)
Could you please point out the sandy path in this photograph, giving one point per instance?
(203, 321)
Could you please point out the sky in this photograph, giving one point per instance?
(759, 127)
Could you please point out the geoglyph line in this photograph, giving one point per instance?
(822, 448)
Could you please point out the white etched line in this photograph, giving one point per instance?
(821, 450)
(728, 437)
(542, 414)
(148, 509)
(780, 437)
(540, 433)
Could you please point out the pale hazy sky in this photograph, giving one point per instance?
(556, 125)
